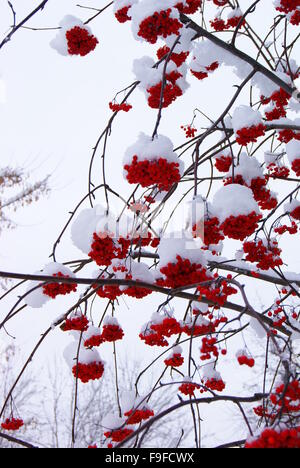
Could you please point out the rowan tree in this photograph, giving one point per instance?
(237, 174)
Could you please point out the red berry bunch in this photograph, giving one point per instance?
(177, 58)
(160, 24)
(152, 338)
(266, 256)
(278, 171)
(12, 424)
(56, 289)
(240, 227)
(287, 6)
(104, 249)
(183, 273)
(190, 131)
(167, 327)
(223, 163)
(80, 41)
(136, 416)
(170, 93)
(287, 399)
(276, 439)
(189, 7)
(175, 361)
(296, 213)
(188, 388)
(87, 372)
(120, 107)
(244, 360)
(208, 349)
(118, 435)
(287, 135)
(250, 135)
(76, 323)
(215, 385)
(122, 14)
(209, 231)
(112, 333)
(158, 172)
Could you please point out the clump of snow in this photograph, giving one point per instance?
(205, 53)
(119, 4)
(37, 298)
(112, 422)
(234, 200)
(182, 244)
(85, 356)
(293, 150)
(249, 168)
(149, 74)
(150, 149)
(245, 117)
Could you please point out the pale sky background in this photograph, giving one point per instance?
(52, 109)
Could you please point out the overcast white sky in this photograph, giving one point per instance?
(52, 109)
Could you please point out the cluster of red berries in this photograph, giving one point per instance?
(208, 349)
(202, 75)
(158, 172)
(218, 24)
(240, 227)
(188, 388)
(245, 360)
(160, 24)
(190, 131)
(168, 327)
(295, 19)
(175, 361)
(218, 294)
(118, 435)
(80, 323)
(209, 231)
(108, 292)
(287, 399)
(199, 330)
(189, 7)
(250, 134)
(296, 166)
(280, 100)
(178, 59)
(135, 291)
(275, 171)
(122, 14)
(171, 91)
(136, 416)
(183, 273)
(153, 339)
(215, 385)
(94, 341)
(12, 424)
(110, 333)
(287, 6)
(296, 213)
(266, 256)
(120, 107)
(276, 439)
(293, 229)
(223, 163)
(87, 372)
(56, 289)
(80, 41)
(104, 249)
(287, 135)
